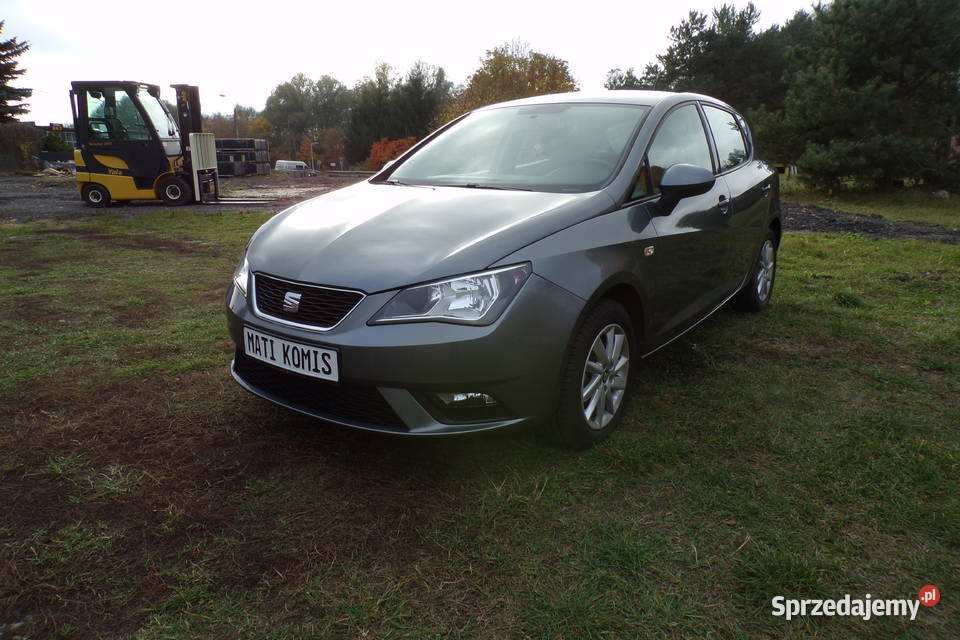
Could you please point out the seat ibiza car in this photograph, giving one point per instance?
(512, 267)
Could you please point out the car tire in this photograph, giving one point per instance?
(757, 291)
(95, 195)
(174, 191)
(596, 376)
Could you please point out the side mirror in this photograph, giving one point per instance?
(683, 181)
(386, 165)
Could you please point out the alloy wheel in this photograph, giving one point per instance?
(605, 375)
(765, 270)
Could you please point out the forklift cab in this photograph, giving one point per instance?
(130, 147)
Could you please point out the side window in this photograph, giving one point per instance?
(745, 130)
(112, 115)
(680, 140)
(726, 133)
(131, 122)
(96, 103)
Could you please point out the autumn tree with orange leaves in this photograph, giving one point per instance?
(384, 150)
(509, 72)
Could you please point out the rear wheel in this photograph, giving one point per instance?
(757, 291)
(595, 377)
(174, 191)
(95, 195)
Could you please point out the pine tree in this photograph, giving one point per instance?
(719, 54)
(9, 51)
(879, 99)
(393, 107)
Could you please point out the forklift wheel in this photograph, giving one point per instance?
(96, 195)
(175, 191)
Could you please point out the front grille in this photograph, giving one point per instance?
(356, 404)
(320, 307)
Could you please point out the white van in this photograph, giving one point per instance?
(295, 167)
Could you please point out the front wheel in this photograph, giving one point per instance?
(174, 191)
(595, 377)
(758, 289)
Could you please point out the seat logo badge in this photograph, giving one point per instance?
(648, 251)
(291, 301)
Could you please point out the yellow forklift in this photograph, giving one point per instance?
(129, 147)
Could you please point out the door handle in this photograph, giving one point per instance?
(724, 204)
(765, 190)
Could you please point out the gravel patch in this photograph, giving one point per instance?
(807, 217)
(24, 198)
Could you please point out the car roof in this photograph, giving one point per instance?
(620, 96)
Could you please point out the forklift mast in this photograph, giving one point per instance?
(188, 112)
(199, 150)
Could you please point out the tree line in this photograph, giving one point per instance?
(855, 92)
(852, 92)
(382, 114)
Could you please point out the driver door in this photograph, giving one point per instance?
(692, 249)
(120, 139)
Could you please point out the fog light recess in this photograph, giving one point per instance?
(464, 406)
(467, 399)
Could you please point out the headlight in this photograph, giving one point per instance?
(242, 275)
(478, 298)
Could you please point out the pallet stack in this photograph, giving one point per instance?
(243, 156)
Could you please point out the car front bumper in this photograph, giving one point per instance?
(389, 372)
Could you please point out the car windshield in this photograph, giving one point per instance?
(571, 147)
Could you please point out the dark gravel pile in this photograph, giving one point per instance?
(806, 217)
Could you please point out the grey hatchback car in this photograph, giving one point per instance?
(512, 267)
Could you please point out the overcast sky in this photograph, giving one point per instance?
(238, 51)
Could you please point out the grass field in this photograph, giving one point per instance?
(913, 204)
(809, 451)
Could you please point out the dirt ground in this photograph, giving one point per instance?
(24, 198)
(808, 217)
(148, 491)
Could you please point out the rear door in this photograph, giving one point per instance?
(690, 264)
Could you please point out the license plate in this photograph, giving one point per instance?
(307, 360)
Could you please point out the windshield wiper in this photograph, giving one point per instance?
(474, 185)
(396, 183)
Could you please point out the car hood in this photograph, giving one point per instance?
(376, 237)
